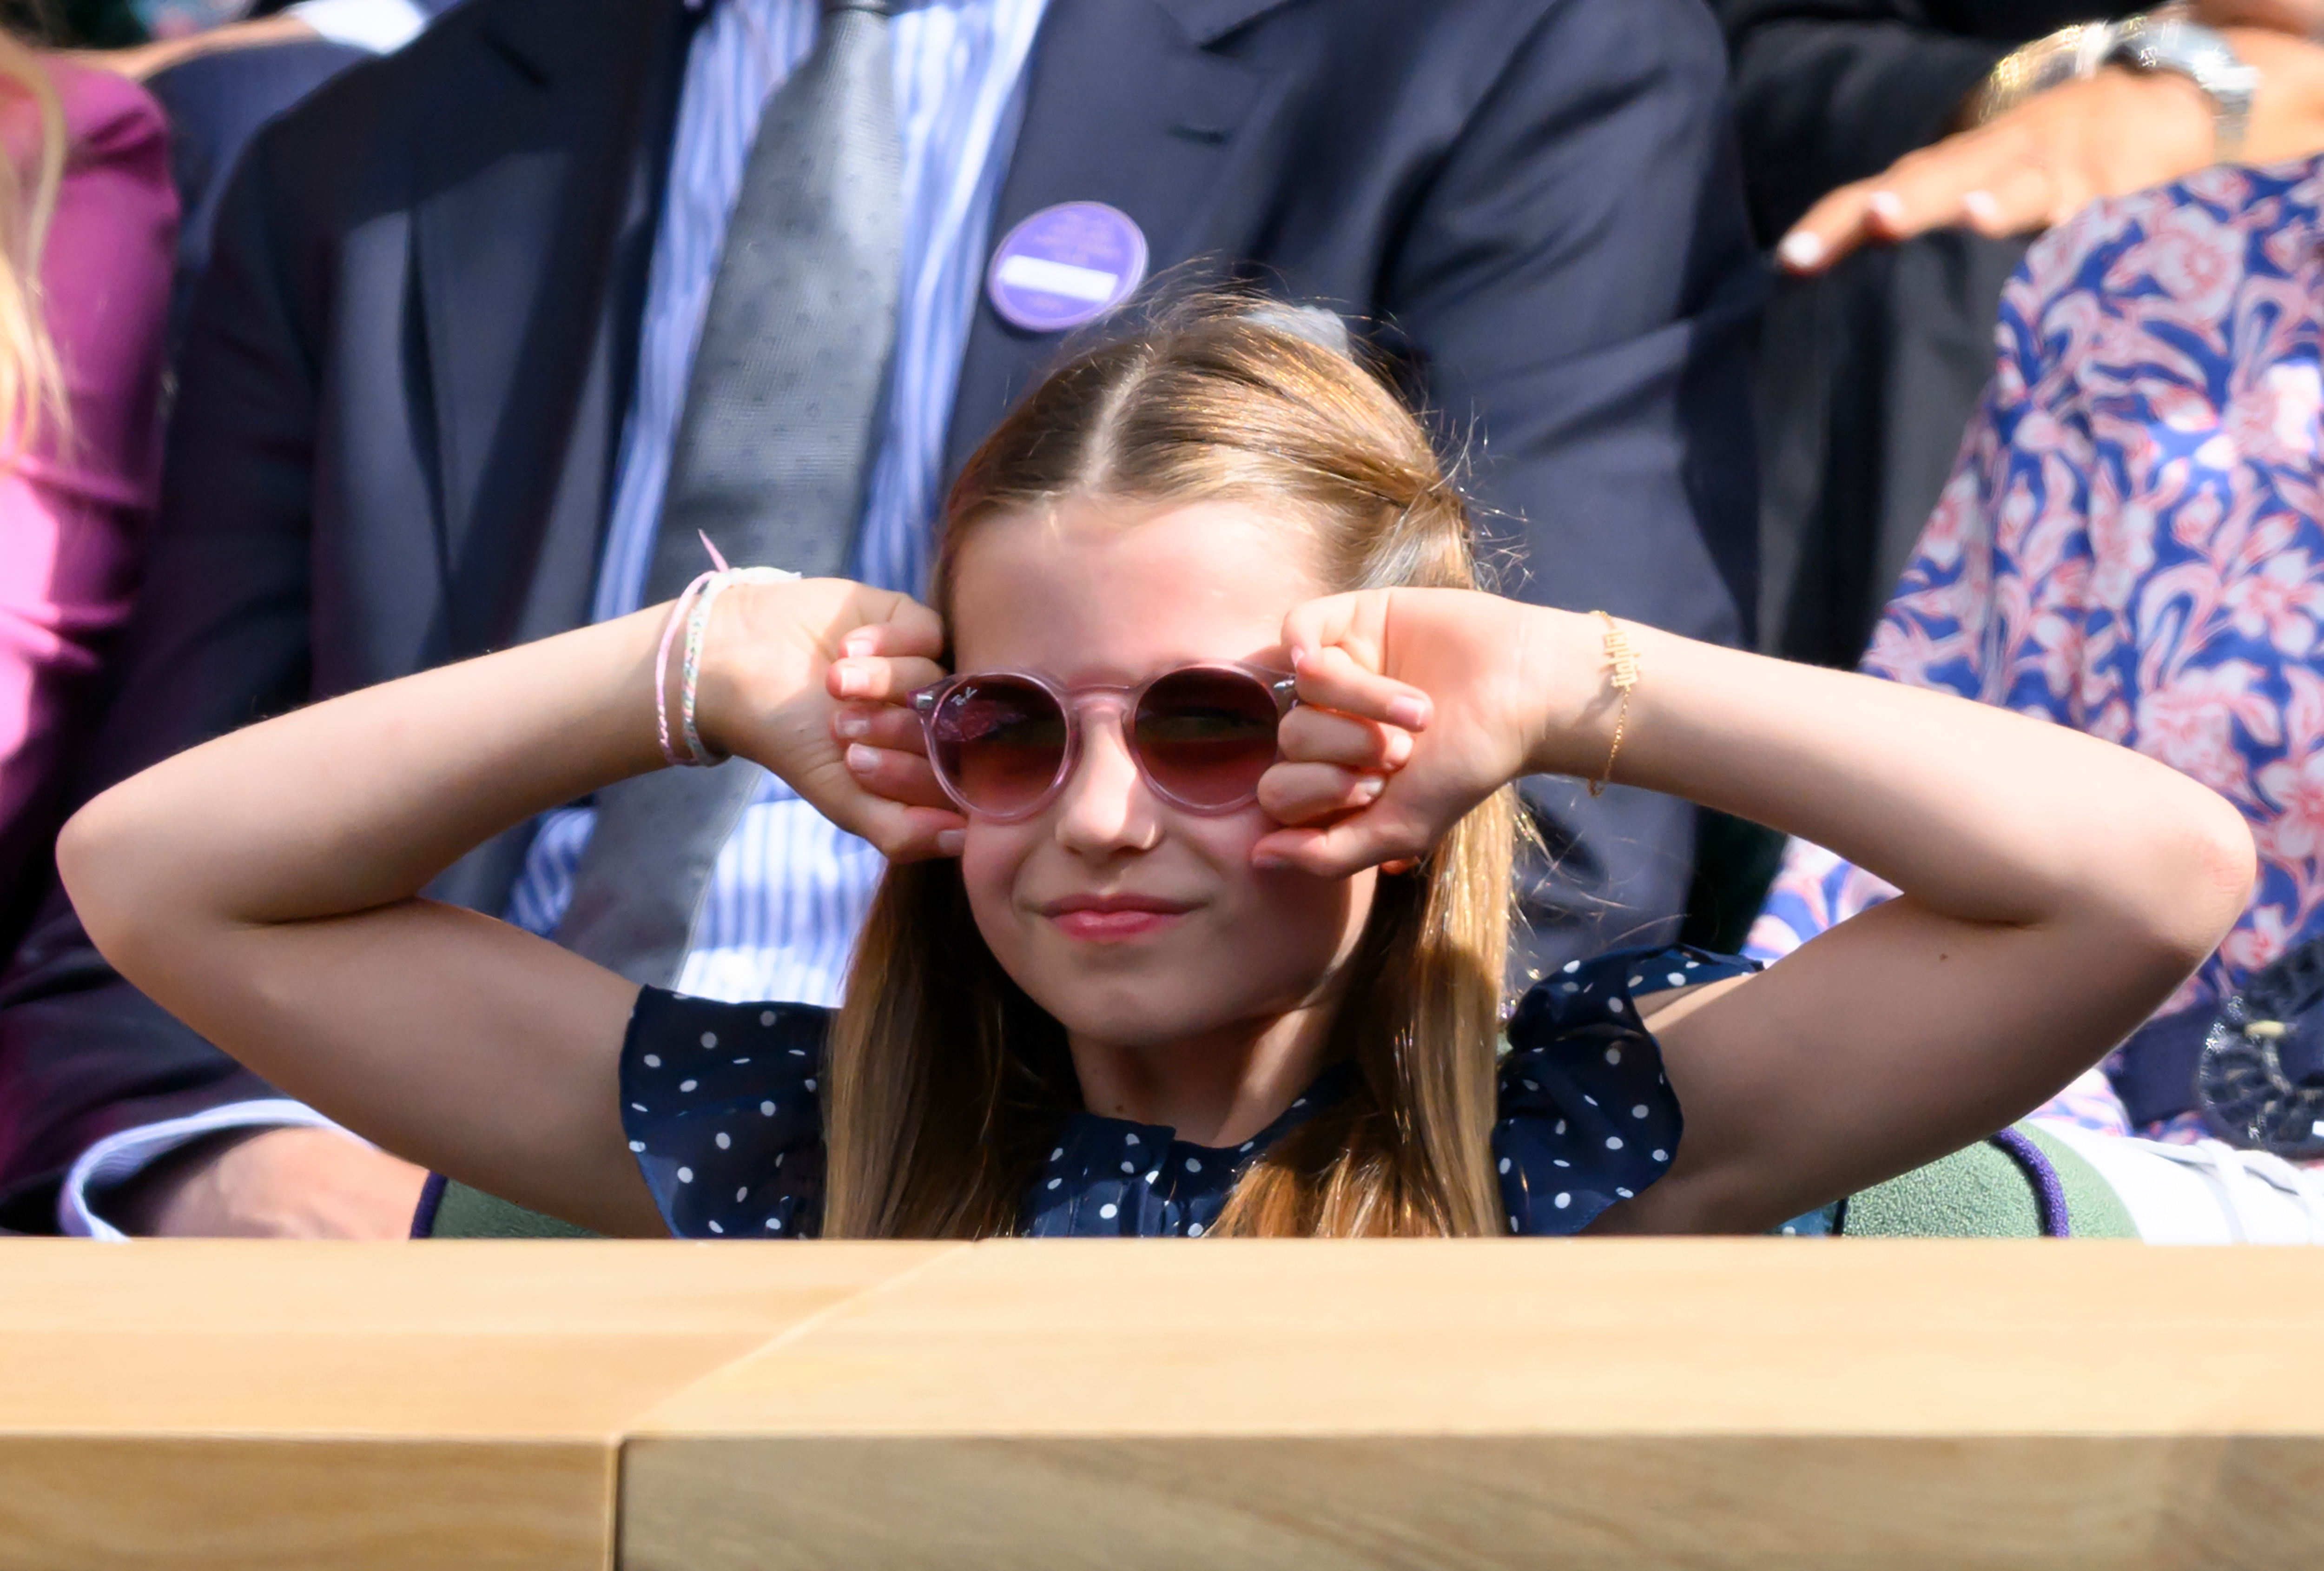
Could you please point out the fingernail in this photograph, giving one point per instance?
(848, 723)
(1410, 713)
(1298, 657)
(856, 644)
(1800, 251)
(1982, 206)
(950, 841)
(1266, 860)
(854, 683)
(863, 760)
(1886, 205)
(1369, 788)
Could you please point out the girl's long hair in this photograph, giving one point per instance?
(32, 168)
(947, 1084)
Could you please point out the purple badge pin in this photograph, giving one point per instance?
(1066, 265)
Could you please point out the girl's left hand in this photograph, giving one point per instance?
(1468, 675)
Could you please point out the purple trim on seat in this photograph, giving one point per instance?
(2049, 1192)
(423, 1216)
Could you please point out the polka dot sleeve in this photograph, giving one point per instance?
(1587, 1118)
(720, 1104)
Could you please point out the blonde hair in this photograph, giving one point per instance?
(947, 1082)
(32, 381)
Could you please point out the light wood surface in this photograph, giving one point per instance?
(1704, 1404)
(1495, 1403)
(244, 1405)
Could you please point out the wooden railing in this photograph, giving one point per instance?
(1195, 1406)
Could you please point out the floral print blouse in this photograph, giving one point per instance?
(722, 1103)
(2130, 541)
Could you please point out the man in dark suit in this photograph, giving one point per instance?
(422, 370)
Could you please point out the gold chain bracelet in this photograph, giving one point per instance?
(1622, 671)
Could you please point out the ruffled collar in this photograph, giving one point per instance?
(1114, 1178)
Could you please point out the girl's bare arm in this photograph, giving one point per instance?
(265, 887)
(2056, 887)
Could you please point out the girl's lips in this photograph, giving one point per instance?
(1104, 927)
(1113, 919)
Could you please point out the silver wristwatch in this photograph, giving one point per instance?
(2158, 41)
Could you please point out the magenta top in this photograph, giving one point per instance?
(73, 514)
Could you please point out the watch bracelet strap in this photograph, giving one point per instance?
(2136, 41)
(2077, 51)
(2069, 54)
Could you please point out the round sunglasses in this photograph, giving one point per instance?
(1004, 743)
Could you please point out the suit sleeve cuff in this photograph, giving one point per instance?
(119, 1157)
(381, 26)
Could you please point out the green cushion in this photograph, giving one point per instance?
(1977, 1192)
(2092, 1205)
(1980, 1192)
(465, 1213)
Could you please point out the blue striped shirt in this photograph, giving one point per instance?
(788, 890)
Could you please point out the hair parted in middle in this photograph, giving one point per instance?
(946, 1083)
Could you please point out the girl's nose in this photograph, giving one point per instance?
(1105, 807)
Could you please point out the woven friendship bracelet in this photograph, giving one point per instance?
(1622, 673)
(698, 629)
(662, 669)
(693, 608)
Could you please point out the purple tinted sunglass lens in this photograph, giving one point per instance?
(1205, 737)
(999, 742)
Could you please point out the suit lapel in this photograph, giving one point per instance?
(538, 167)
(1125, 104)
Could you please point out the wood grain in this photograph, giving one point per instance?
(251, 1405)
(1702, 1404)
(1606, 1403)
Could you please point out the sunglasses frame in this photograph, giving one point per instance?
(1124, 698)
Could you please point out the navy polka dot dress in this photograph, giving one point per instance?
(721, 1105)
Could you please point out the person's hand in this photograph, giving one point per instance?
(1415, 705)
(796, 675)
(2026, 170)
(2116, 132)
(275, 1183)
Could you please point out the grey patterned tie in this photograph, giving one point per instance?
(773, 450)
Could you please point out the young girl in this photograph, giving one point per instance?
(1197, 912)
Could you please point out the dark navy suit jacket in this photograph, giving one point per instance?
(404, 376)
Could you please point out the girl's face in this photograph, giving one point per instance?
(1134, 923)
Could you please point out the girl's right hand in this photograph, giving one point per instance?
(798, 676)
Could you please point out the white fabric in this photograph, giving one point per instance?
(2206, 1193)
(381, 26)
(119, 1157)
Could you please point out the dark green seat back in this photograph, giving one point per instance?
(465, 1212)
